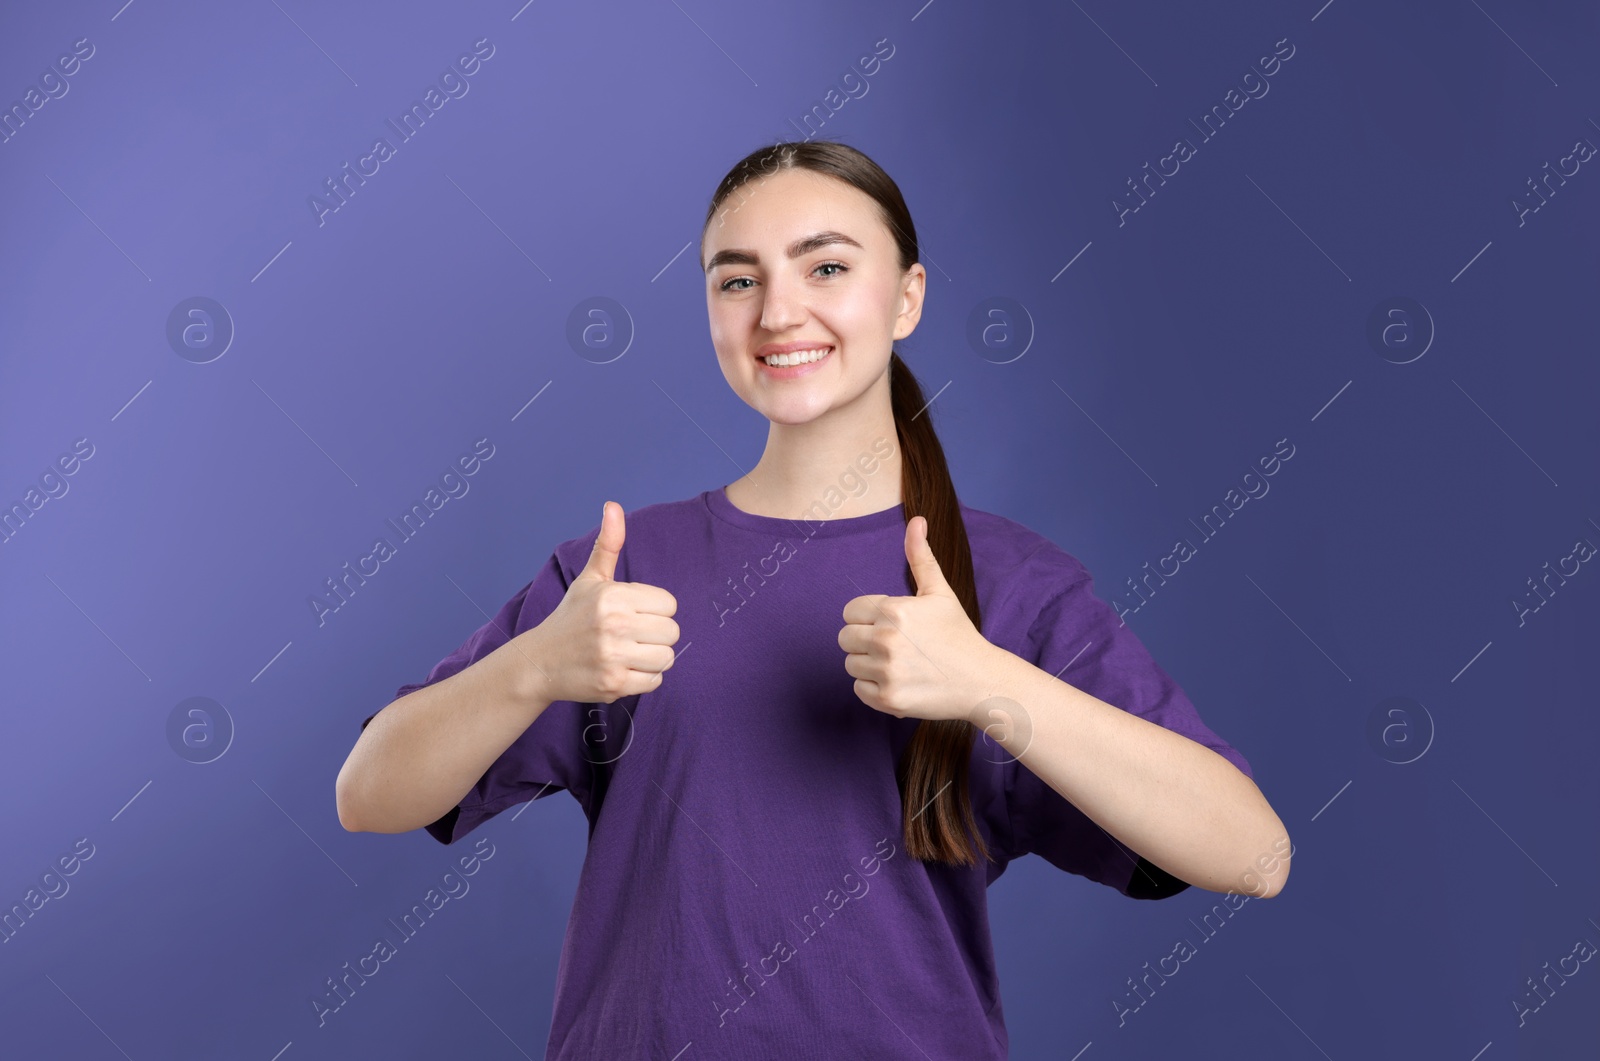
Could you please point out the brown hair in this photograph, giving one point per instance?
(932, 771)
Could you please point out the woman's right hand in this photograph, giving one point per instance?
(607, 639)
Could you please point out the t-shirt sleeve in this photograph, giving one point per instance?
(550, 755)
(1079, 638)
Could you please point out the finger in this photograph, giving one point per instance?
(865, 609)
(643, 597)
(858, 666)
(924, 565)
(855, 639)
(868, 693)
(655, 630)
(607, 546)
(650, 659)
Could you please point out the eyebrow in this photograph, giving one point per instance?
(799, 247)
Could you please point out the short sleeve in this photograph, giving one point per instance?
(1079, 638)
(550, 755)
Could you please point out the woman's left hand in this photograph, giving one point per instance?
(918, 657)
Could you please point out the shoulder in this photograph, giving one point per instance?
(1016, 557)
(1023, 577)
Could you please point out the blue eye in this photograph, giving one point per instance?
(841, 266)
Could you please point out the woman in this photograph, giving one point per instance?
(767, 702)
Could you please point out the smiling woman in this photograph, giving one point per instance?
(838, 711)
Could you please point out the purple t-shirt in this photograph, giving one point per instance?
(746, 891)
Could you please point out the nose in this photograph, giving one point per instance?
(782, 307)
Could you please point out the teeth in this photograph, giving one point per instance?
(798, 357)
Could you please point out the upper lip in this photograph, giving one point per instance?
(789, 348)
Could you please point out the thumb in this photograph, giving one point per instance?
(924, 565)
(607, 546)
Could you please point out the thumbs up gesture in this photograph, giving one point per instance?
(607, 639)
(918, 657)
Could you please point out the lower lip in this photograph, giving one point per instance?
(793, 371)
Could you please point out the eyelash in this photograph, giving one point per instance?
(841, 266)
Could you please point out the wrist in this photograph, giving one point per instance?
(1003, 713)
(527, 672)
(1001, 678)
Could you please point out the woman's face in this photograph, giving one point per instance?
(802, 259)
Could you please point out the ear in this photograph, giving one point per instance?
(911, 301)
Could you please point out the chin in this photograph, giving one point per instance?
(792, 413)
(790, 417)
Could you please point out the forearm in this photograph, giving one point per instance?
(1172, 800)
(425, 750)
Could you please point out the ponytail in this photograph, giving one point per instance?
(932, 771)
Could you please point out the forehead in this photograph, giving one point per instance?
(765, 215)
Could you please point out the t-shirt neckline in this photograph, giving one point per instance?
(716, 501)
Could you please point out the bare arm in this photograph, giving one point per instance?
(425, 750)
(1175, 801)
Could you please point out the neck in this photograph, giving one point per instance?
(836, 461)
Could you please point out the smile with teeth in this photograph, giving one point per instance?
(797, 357)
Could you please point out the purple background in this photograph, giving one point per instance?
(370, 351)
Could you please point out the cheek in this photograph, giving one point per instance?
(733, 318)
(731, 336)
(721, 325)
(866, 310)
(729, 342)
(728, 361)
